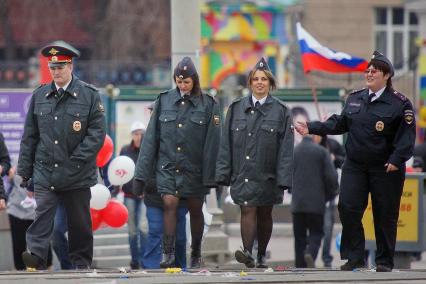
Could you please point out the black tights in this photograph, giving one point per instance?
(195, 208)
(250, 228)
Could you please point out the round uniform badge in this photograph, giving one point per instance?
(380, 125)
(76, 125)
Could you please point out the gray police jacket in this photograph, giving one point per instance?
(181, 144)
(256, 153)
(62, 137)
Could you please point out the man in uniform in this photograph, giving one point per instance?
(64, 130)
(381, 135)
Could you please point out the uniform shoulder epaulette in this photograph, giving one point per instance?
(357, 91)
(281, 102)
(211, 97)
(236, 100)
(90, 86)
(164, 92)
(399, 95)
(42, 85)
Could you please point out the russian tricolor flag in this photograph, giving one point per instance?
(318, 57)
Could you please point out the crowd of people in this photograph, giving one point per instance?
(186, 150)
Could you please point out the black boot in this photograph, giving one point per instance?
(244, 256)
(261, 261)
(196, 254)
(168, 259)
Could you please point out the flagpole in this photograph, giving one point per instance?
(314, 95)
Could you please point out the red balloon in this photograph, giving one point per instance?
(115, 214)
(96, 216)
(105, 153)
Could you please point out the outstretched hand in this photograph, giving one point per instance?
(2, 204)
(302, 127)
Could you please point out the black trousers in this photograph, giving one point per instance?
(80, 236)
(386, 190)
(308, 232)
(18, 228)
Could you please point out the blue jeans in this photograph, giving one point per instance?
(59, 239)
(153, 252)
(137, 229)
(327, 258)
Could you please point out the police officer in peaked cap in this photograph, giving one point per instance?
(381, 135)
(64, 130)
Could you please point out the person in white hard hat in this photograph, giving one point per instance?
(137, 223)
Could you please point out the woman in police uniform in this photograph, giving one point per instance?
(181, 145)
(256, 159)
(381, 135)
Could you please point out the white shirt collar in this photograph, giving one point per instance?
(64, 87)
(378, 93)
(261, 101)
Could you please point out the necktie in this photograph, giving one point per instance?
(370, 97)
(61, 92)
(257, 105)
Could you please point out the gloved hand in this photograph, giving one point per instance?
(138, 187)
(24, 182)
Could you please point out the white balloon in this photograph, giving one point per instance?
(100, 196)
(121, 170)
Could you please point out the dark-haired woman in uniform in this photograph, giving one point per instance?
(381, 134)
(180, 145)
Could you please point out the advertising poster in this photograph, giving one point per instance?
(408, 223)
(126, 113)
(13, 110)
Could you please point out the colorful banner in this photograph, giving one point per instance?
(234, 37)
(408, 222)
(13, 110)
(422, 76)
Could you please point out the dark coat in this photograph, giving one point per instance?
(181, 141)
(132, 152)
(62, 137)
(4, 156)
(380, 132)
(314, 180)
(256, 152)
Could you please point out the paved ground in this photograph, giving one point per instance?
(281, 260)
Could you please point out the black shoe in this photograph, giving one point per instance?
(244, 256)
(261, 261)
(383, 268)
(310, 263)
(33, 261)
(351, 265)
(134, 265)
(195, 261)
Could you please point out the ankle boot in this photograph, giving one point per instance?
(168, 259)
(196, 254)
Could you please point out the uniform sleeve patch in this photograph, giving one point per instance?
(409, 116)
(216, 119)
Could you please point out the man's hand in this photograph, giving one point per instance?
(302, 127)
(390, 168)
(2, 204)
(24, 182)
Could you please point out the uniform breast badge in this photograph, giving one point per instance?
(76, 125)
(380, 126)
